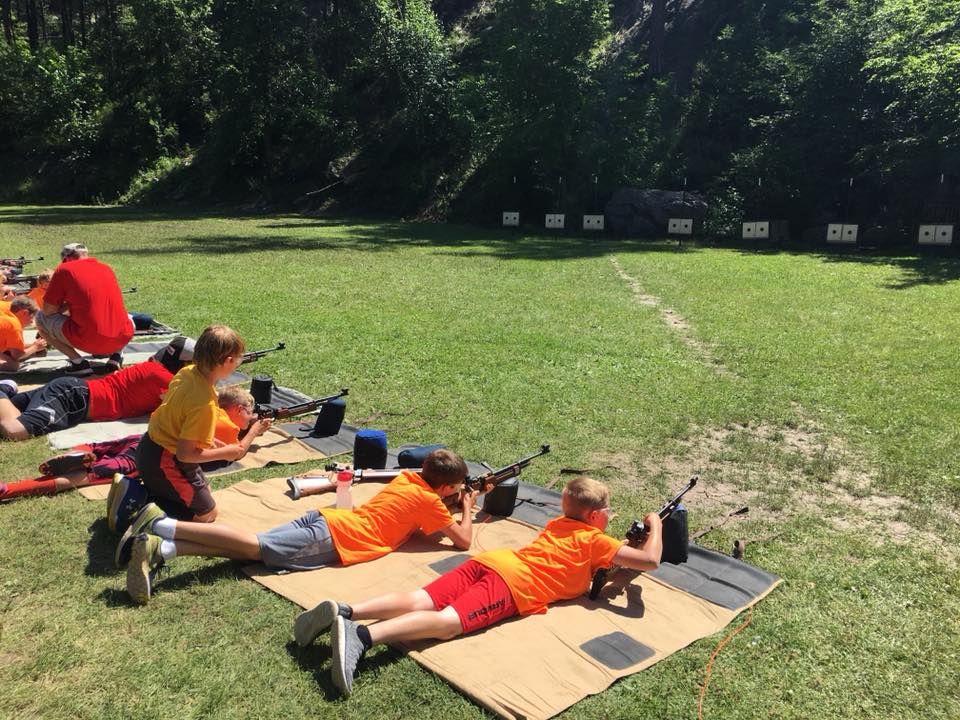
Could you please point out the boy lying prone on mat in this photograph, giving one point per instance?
(410, 502)
(493, 586)
(68, 401)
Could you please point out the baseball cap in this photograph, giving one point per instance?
(73, 250)
(177, 354)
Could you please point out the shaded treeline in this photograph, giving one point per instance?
(473, 106)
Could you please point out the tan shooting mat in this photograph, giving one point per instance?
(537, 665)
(274, 447)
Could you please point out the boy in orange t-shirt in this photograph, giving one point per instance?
(492, 586)
(13, 351)
(329, 536)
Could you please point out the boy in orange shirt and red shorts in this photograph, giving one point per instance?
(328, 536)
(493, 586)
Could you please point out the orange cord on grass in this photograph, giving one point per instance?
(706, 675)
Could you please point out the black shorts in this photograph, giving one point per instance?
(58, 405)
(179, 488)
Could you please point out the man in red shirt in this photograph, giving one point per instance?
(83, 310)
(68, 401)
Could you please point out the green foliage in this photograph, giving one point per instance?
(535, 104)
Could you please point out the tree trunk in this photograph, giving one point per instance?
(658, 20)
(7, 22)
(33, 35)
(83, 23)
(66, 22)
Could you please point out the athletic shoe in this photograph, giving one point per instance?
(311, 623)
(347, 651)
(8, 388)
(145, 561)
(126, 497)
(114, 362)
(142, 523)
(80, 369)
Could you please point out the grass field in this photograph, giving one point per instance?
(820, 390)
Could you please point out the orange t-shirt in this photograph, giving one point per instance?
(226, 431)
(558, 565)
(38, 294)
(5, 307)
(11, 332)
(385, 522)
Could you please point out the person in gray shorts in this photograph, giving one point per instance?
(411, 502)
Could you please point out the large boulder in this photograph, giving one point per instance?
(644, 213)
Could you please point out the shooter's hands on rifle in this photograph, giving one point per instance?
(468, 499)
(259, 427)
(652, 520)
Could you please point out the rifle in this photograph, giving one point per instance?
(493, 477)
(636, 536)
(31, 280)
(314, 485)
(19, 262)
(128, 291)
(255, 355)
(265, 412)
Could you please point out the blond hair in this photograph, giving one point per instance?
(215, 345)
(235, 396)
(45, 275)
(583, 495)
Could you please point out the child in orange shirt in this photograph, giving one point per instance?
(328, 536)
(493, 586)
(13, 351)
(40, 291)
(235, 415)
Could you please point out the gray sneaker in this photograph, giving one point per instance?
(145, 562)
(311, 623)
(347, 651)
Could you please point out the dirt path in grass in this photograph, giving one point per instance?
(779, 473)
(675, 321)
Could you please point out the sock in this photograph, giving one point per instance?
(168, 549)
(165, 528)
(364, 634)
(25, 488)
(344, 611)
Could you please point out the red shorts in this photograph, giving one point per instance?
(476, 592)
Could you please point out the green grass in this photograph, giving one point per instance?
(493, 343)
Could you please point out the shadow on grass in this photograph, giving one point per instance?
(164, 583)
(315, 659)
(927, 266)
(100, 550)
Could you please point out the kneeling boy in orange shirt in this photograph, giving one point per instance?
(493, 586)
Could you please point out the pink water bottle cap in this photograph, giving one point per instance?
(344, 476)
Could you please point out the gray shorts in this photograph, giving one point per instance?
(51, 326)
(304, 544)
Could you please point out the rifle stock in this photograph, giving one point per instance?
(265, 412)
(637, 534)
(255, 355)
(316, 484)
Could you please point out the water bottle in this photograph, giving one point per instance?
(344, 497)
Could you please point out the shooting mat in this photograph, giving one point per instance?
(274, 447)
(543, 663)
